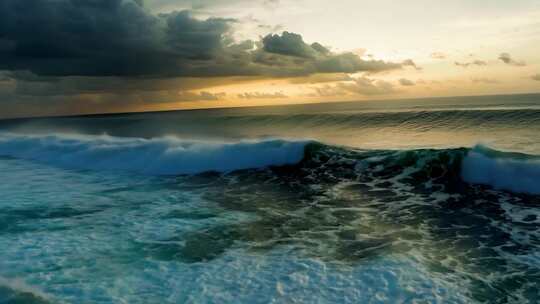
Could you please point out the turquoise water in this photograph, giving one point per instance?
(92, 237)
(345, 203)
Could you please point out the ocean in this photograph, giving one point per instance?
(412, 201)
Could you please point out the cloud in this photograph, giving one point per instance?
(367, 86)
(206, 5)
(29, 84)
(110, 55)
(292, 44)
(201, 96)
(328, 91)
(438, 55)
(321, 78)
(290, 50)
(485, 80)
(411, 63)
(357, 86)
(5, 76)
(122, 38)
(406, 82)
(506, 58)
(260, 95)
(467, 64)
(104, 38)
(536, 77)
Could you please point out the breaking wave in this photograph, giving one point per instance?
(157, 156)
(513, 172)
(507, 171)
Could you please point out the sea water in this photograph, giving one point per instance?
(414, 201)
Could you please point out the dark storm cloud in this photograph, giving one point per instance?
(292, 44)
(5, 76)
(88, 56)
(506, 58)
(102, 38)
(27, 84)
(206, 5)
(122, 38)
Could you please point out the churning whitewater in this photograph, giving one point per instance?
(159, 156)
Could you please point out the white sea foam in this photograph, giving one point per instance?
(502, 171)
(18, 286)
(161, 156)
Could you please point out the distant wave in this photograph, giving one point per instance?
(447, 119)
(237, 125)
(159, 156)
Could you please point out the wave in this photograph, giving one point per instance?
(256, 122)
(452, 168)
(513, 172)
(156, 156)
(410, 118)
(480, 165)
(506, 171)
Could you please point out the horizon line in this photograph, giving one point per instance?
(91, 115)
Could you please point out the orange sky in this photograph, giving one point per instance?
(418, 49)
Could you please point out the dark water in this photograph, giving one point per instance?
(381, 202)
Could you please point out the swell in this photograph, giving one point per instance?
(434, 119)
(513, 172)
(150, 125)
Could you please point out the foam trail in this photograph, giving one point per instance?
(20, 292)
(505, 171)
(156, 156)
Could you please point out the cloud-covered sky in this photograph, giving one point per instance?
(61, 57)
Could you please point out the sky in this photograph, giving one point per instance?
(64, 57)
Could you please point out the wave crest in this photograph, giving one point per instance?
(171, 156)
(506, 171)
(155, 156)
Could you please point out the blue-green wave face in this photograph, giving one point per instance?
(344, 204)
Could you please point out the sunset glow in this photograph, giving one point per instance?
(206, 54)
